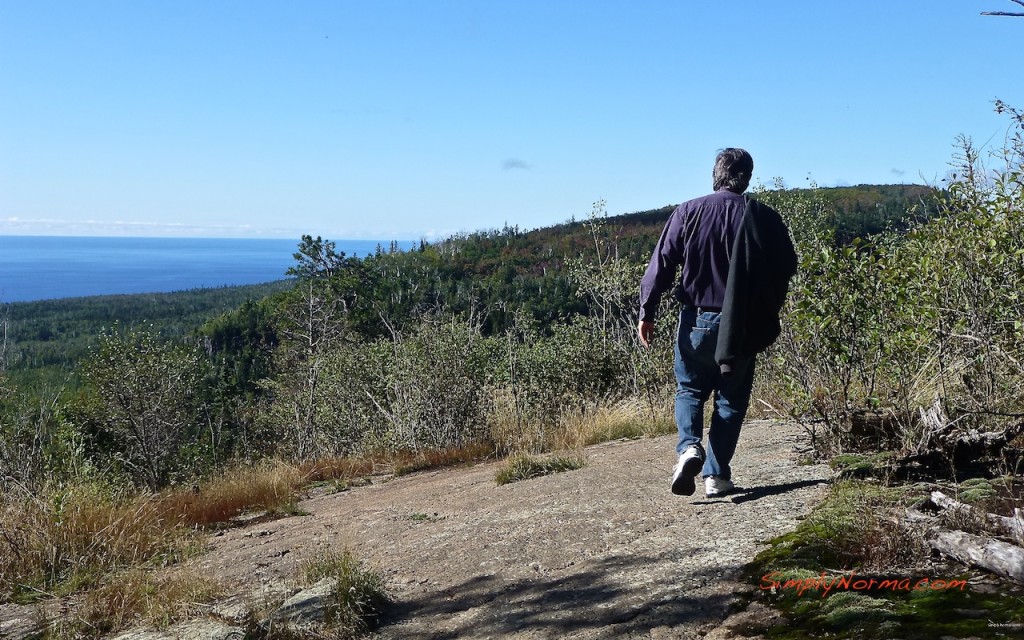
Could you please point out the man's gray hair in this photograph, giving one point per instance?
(733, 169)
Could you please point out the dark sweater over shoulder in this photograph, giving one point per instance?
(763, 261)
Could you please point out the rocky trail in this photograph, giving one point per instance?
(605, 551)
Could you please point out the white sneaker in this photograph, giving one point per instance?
(688, 466)
(715, 487)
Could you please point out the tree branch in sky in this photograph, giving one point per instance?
(1006, 13)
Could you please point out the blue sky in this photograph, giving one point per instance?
(404, 119)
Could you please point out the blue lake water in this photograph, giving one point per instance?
(45, 267)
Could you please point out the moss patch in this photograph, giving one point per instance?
(815, 576)
(853, 465)
(976, 491)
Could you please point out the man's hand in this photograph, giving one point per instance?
(646, 332)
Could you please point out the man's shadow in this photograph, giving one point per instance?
(741, 494)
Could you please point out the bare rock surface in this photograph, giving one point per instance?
(17, 621)
(191, 630)
(605, 551)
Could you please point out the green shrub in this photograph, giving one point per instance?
(144, 403)
(908, 319)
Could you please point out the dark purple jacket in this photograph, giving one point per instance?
(699, 237)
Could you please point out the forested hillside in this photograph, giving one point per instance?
(45, 340)
(493, 274)
(473, 338)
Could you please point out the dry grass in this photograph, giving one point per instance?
(524, 466)
(577, 425)
(513, 427)
(267, 487)
(138, 597)
(69, 539)
(602, 423)
(404, 462)
(337, 468)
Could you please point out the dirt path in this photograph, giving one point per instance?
(604, 551)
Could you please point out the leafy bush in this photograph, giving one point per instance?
(36, 441)
(905, 321)
(144, 402)
(538, 381)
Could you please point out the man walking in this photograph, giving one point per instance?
(736, 259)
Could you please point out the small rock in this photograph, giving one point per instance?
(308, 606)
(234, 609)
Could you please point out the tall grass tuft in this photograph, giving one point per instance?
(577, 424)
(359, 593)
(525, 466)
(603, 422)
(267, 487)
(404, 462)
(336, 468)
(66, 539)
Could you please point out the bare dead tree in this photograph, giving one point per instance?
(1014, 14)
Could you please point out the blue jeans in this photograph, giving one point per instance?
(697, 376)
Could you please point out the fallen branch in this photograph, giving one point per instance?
(1013, 527)
(998, 557)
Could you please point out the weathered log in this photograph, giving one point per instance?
(1013, 527)
(944, 450)
(998, 557)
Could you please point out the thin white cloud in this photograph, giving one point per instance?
(18, 226)
(14, 225)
